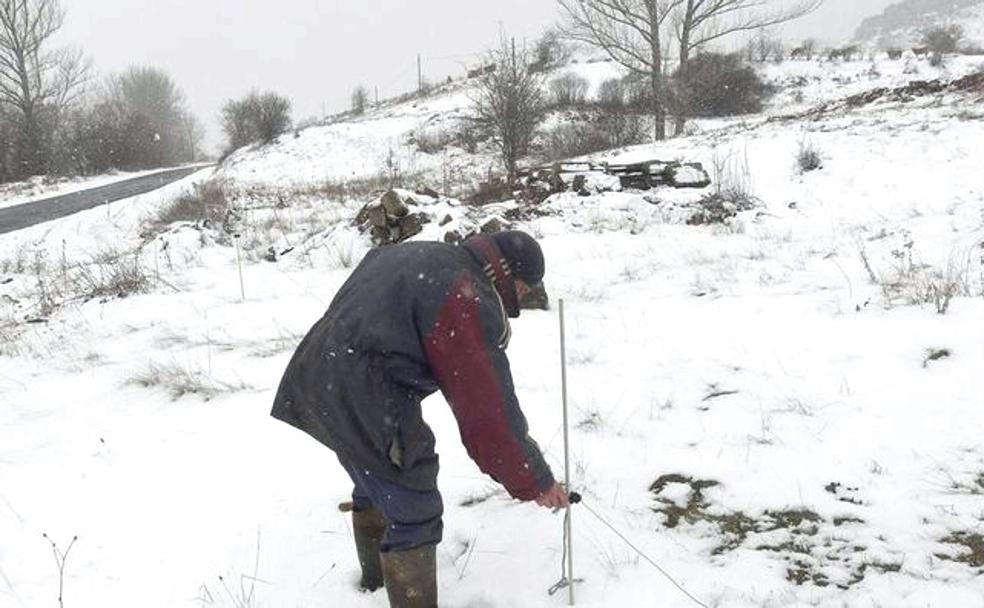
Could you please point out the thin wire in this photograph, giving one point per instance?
(643, 555)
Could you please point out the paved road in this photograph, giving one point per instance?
(29, 214)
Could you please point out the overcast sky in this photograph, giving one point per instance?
(316, 51)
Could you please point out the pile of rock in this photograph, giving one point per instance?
(391, 218)
(654, 173)
(587, 178)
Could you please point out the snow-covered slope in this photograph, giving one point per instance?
(384, 141)
(757, 405)
(902, 23)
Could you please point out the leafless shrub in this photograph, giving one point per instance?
(568, 90)
(509, 104)
(732, 190)
(603, 131)
(916, 283)
(433, 140)
(569, 140)
(258, 117)
(808, 157)
(208, 205)
(941, 286)
(9, 340)
(47, 291)
(360, 99)
(110, 274)
(179, 380)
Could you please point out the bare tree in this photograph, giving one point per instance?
(151, 95)
(550, 51)
(509, 104)
(631, 33)
(360, 99)
(35, 81)
(192, 135)
(700, 22)
(569, 90)
(256, 117)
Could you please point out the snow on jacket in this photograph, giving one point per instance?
(411, 319)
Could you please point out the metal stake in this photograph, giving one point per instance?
(239, 262)
(569, 537)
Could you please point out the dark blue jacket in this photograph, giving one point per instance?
(411, 319)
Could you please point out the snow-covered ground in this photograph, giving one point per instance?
(750, 408)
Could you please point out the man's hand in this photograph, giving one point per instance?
(554, 498)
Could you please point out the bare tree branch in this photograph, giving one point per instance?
(631, 33)
(700, 22)
(509, 105)
(36, 84)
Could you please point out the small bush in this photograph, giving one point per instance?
(571, 140)
(255, 118)
(606, 128)
(568, 90)
(110, 275)
(732, 190)
(612, 94)
(917, 283)
(718, 207)
(713, 84)
(550, 52)
(808, 157)
(434, 140)
(208, 205)
(942, 39)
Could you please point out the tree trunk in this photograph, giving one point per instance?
(659, 106)
(659, 110)
(683, 94)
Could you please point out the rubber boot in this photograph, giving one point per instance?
(411, 577)
(368, 525)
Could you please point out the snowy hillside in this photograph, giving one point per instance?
(782, 409)
(385, 140)
(902, 23)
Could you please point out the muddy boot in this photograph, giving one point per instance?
(411, 577)
(368, 526)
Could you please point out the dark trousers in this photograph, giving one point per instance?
(413, 517)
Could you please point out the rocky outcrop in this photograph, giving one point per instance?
(392, 218)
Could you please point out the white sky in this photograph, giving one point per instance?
(316, 51)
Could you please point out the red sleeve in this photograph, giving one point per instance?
(473, 373)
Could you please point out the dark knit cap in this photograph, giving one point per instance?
(523, 254)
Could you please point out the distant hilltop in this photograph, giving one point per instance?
(900, 25)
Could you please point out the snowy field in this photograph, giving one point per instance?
(760, 406)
